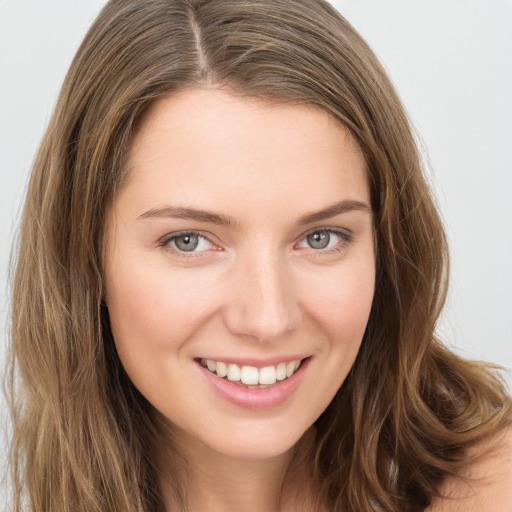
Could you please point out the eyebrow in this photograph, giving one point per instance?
(345, 206)
(179, 212)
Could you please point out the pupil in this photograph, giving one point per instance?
(318, 240)
(187, 242)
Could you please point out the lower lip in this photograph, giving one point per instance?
(256, 398)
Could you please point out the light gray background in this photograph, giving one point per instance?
(451, 62)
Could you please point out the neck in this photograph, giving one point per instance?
(222, 485)
(218, 483)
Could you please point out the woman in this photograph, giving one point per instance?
(229, 274)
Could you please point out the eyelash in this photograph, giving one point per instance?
(345, 239)
(164, 243)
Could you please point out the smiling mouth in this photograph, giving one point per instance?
(251, 376)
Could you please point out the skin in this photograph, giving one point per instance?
(253, 289)
(486, 485)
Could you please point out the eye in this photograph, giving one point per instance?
(188, 242)
(322, 239)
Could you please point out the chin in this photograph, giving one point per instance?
(262, 447)
(258, 440)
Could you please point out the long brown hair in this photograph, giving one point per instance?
(82, 437)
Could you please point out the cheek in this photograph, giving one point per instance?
(151, 311)
(341, 304)
(338, 307)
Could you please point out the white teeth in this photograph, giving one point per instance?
(281, 371)
(268, 375)
(222, 369)
(251, 375)
(233, 372)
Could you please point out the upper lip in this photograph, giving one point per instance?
(257, 362)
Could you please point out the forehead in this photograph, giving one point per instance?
(209, 146)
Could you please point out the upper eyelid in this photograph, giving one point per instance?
(342, 231)
(175, 234)
(326, 228)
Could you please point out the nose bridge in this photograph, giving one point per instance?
(263, 303)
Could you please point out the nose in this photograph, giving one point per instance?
(262, 301)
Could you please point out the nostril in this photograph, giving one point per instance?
(261, 304)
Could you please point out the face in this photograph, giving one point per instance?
(239, 268)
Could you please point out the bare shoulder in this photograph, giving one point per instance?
(487, 483)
